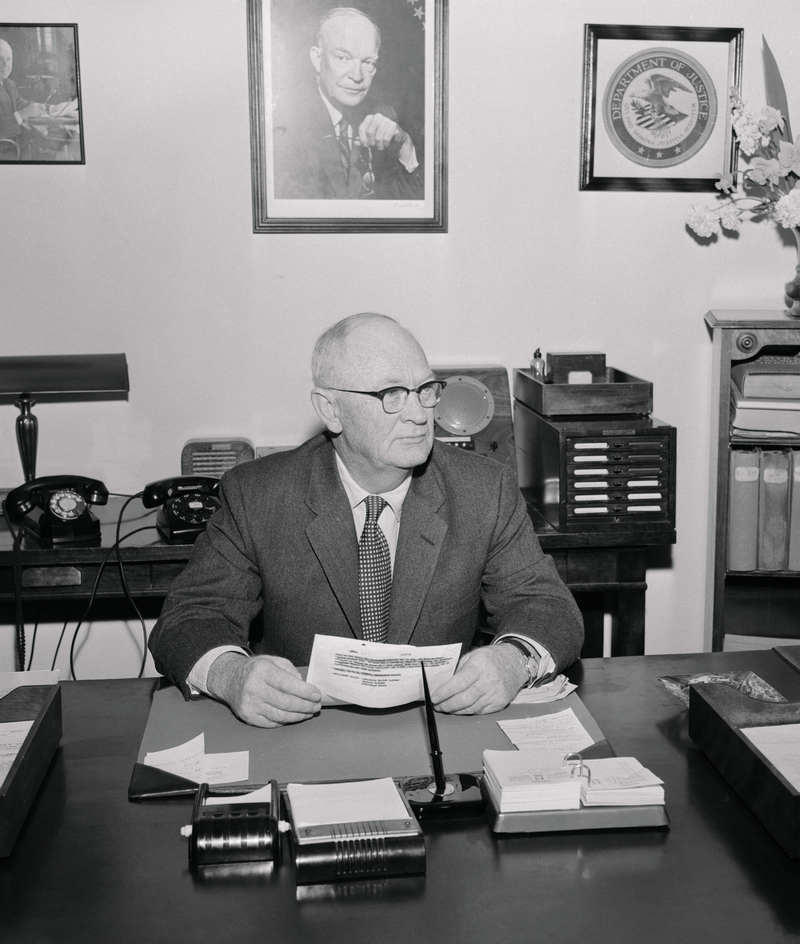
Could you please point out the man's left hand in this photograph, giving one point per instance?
(486, 680)
(381, 132)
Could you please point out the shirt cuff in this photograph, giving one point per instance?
(197, 679)
(412, 163)
(547, 665)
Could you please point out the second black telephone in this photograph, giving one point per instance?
(55, 509)
(187, 502)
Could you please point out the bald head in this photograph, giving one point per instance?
(359, 356)
(6, 59)
(349, 339)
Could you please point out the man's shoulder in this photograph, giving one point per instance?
(459, 465)
(280, 467)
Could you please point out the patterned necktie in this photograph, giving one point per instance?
(344, 142)
(374, 574)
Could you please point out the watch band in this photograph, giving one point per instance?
(531, 663)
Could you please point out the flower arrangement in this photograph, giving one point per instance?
(771, 181)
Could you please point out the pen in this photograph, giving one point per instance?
(433, 737)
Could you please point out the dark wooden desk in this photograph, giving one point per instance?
(91, 867)
(591, 565)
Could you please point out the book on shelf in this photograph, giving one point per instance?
(764, 415)
(773, 504)
(770, 376)
(743, 509)
(794, 512)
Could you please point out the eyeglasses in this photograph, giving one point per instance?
(394, 398)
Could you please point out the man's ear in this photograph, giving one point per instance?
(326, 409)
(316, 58)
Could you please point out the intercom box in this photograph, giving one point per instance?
(474, 412)
(214, 456)
(599, 473)
(620, 393)
(41, 705)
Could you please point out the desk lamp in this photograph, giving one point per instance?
(57, 378)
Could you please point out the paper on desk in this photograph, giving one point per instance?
(780, 744)
(260, 795)
(322, 804)
(561, 731)
(12, 737)
(190, 760)
(554, 690)
(11, 680)
(377, 675)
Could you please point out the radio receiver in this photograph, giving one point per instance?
(474, 412)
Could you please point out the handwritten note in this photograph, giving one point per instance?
(190, 760)
(561, 731)
(12, 737)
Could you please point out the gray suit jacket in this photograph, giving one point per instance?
(284, 541)
(308, 164)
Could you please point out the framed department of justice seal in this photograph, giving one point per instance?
(656, 113)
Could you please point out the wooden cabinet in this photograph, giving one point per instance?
(758, 601)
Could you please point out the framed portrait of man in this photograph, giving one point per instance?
(348, 115)
(40, 99)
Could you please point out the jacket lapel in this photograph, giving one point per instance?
(332, 534)
(422, 533)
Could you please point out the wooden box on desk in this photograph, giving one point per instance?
(42, 705)
(717, 713)
(620, 394)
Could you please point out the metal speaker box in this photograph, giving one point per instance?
(214, 456)
(474, 412)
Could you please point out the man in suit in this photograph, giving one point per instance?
(286, 542)
(14, 110)
(337, 142)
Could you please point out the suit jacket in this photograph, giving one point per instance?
(10, 101)
(308, 164)
(284, 540)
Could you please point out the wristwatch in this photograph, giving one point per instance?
(531, 662)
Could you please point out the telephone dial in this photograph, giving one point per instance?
(187, 502)
(55, 509)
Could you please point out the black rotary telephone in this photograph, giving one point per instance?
(187, 502)
(55, 509)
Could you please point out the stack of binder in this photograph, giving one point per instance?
(764, 510)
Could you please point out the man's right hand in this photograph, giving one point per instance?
(32, 110)
(266, 691)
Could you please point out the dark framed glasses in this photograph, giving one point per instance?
(395, 398)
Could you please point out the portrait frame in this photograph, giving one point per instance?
(280, 35)
(45, 73)
(647, 143)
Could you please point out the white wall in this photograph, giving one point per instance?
(148, 249)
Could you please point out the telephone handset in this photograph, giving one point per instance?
(55, 509)
(187, 502)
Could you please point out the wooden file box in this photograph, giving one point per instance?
(717, 712)
(42, 705)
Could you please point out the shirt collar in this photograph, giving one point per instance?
(336, 115)
(356, 494)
